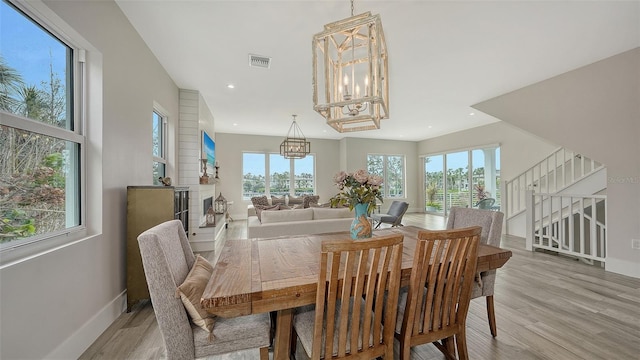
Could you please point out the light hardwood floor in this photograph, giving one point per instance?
(547, 307)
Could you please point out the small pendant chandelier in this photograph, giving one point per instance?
(350, 73)
(295, 145)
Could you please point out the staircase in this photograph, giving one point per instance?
(556, 205)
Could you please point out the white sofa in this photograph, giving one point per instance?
(314, 220)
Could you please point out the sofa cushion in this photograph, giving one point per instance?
(261, 208)
(190, 292)
(260, 200)
(277, 200)
(307, 200)
(330, 213)
(296, 200)
(287, 216)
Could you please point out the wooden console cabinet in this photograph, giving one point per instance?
(148, 206)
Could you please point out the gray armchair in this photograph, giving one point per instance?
(491, 223)
(167, 258)
(394, 214)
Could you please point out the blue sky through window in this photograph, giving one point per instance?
(27, 49)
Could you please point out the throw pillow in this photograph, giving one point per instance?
(261, 208)
(325, 205)
(260, 200)
(190, 292)
(310, 199)
(295, 200)
(276, 200)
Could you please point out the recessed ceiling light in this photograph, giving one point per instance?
(235, 124)
(471, 114)
(429, 127)
(231, 86)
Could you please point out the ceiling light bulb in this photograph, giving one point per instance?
(231, 86)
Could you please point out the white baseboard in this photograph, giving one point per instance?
(80, 341)
(623, 267)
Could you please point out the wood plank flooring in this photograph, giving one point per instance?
(547, 307)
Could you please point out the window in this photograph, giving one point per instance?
(253, 175)
(159, 126)
(391, 169)
(41, 142)
(304, 181)
(279, 175)
(286, 176)
(462, 178)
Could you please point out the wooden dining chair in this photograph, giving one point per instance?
(491, 223)
(350, 302)
(434, 307)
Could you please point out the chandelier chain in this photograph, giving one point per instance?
(351, 7)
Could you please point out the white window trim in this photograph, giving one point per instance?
(165, 142)
(87, 63)
(267, 176)
(384, 172)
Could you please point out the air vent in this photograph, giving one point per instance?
(259, 61)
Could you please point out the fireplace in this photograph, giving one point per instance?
(206, 203)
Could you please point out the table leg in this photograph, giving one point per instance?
(282, 342)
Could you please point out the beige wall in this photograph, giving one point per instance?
(56, 304)
(594, 110)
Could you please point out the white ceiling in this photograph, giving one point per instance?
(444, 56)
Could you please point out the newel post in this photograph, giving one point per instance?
(529, 218)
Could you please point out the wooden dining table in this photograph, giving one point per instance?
(280, 274)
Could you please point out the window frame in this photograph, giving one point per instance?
(162, 159)
(385, 174)
(497, 191)
(267, 174)
(78, 104)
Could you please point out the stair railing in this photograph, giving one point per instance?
(554, 173)
(574, 225)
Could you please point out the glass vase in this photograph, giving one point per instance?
(361, 226)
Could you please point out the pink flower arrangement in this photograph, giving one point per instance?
(359, 187)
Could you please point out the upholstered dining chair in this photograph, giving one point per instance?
(167, 260)
(491, 223)
(350, 306)
(435, 305)
(394, 214)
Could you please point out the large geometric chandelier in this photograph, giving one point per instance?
(295, 145)
(350, 73)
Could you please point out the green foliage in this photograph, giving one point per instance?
(16, 224)
(434, 205)
(431, 192)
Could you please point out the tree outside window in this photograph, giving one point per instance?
(392, 169)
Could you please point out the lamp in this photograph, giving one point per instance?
(350, 73)
(220, 204)
(204, 179)
(295, 145)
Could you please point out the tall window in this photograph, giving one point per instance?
(469, 178)
(286, 176)
(279, 175)
(40, 138)
(254, 170)
(392, 169)
(159, 126)
(304, 179)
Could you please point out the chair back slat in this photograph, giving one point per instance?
(350, 308)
